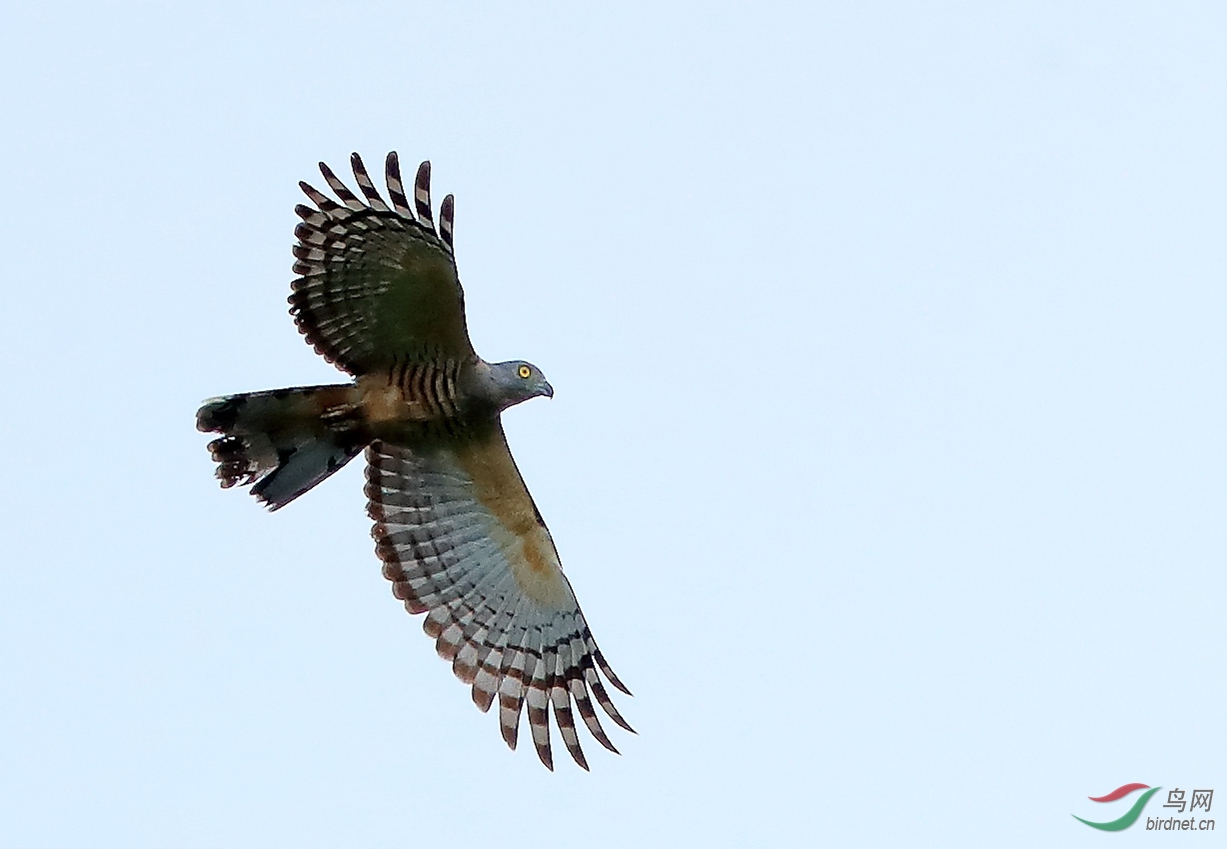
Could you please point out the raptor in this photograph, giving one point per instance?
(378, 295)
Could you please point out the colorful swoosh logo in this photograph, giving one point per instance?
(1130, 816)
(1123, 790)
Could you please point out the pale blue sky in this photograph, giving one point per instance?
(887, 457)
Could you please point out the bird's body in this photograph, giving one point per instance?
(459, 534)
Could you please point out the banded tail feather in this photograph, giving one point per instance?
(284, 441)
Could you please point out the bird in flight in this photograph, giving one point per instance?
(458, 533)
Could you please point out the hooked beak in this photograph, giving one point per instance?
(547, 390)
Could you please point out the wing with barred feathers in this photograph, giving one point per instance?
(378, 286)
(462, 542)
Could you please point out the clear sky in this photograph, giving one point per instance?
(887, 457)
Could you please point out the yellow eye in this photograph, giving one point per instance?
(525, 371)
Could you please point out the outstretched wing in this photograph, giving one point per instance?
(378, 287)
(462, 541)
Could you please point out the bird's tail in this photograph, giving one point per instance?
(284, 441)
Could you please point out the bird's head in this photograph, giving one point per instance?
(517, 381)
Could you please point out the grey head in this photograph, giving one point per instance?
(509, 383)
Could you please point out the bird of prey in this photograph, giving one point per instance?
(460, 538)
